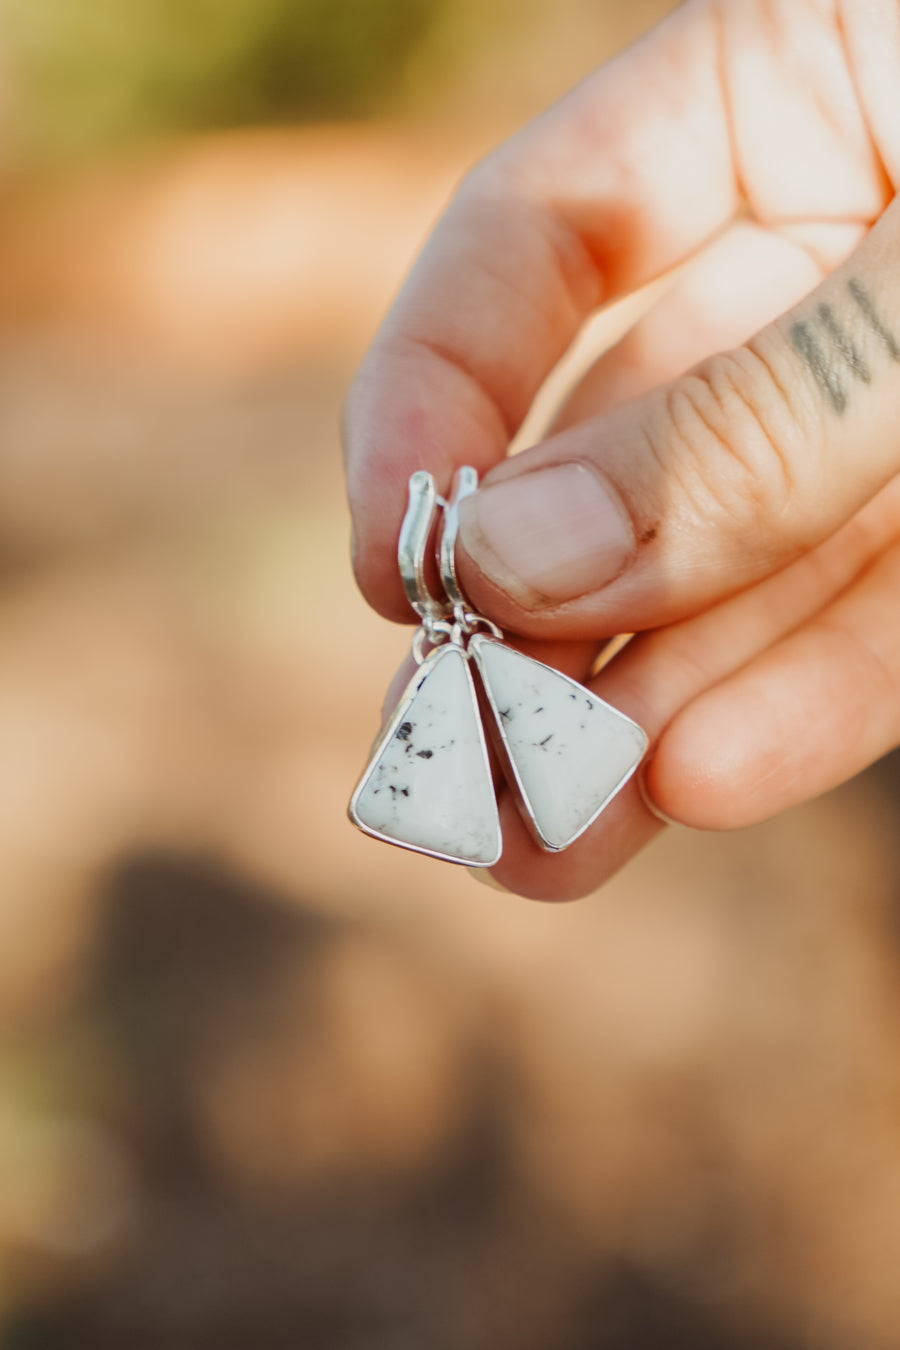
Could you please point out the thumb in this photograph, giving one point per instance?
(708, 484)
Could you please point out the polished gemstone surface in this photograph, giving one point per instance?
(429, 786)
(569, 752)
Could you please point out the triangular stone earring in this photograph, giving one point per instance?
(428, 787)
(566, 751)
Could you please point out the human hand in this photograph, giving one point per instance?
(745, 516)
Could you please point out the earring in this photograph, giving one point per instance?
(564, 751)
(428, 785)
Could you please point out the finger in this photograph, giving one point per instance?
(625, 827)
(626, 176)
(718, 300)
(709, 484)
(573, 210)
(662, 673)
(810, 713)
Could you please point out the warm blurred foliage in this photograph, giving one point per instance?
(263, 1081)
(83, 75)
(98, 71)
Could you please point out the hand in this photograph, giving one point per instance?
(744, 516)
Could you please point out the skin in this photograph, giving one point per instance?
(749, 425)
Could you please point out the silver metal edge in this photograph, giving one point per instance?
(412, 545)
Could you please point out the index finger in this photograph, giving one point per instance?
(626, 176)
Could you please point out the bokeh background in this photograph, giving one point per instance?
(264, 1082)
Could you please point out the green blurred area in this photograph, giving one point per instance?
(89, 74)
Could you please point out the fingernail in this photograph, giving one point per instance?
(559, 532)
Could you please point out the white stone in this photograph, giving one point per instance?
(429, 784)
(569, 752)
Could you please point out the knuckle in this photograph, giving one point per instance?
(741, 440)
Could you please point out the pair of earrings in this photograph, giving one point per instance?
(428, 785)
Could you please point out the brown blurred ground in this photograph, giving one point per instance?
(262, 1081)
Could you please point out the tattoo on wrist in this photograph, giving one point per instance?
(829, 351)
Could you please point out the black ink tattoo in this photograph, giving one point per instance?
(844, 344)
(825, 343)
(873, 318)
(805, 342)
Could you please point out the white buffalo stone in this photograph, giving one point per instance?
(429, 785)
(569, 752)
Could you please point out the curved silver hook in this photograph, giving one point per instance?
(413, 544)
(465, 482)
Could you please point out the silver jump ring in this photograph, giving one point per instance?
(475, 621)
(432, 632)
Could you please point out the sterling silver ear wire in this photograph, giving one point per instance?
(413, 543)
(564, 751)
(464, 484)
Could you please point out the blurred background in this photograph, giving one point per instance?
(263, 1081)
